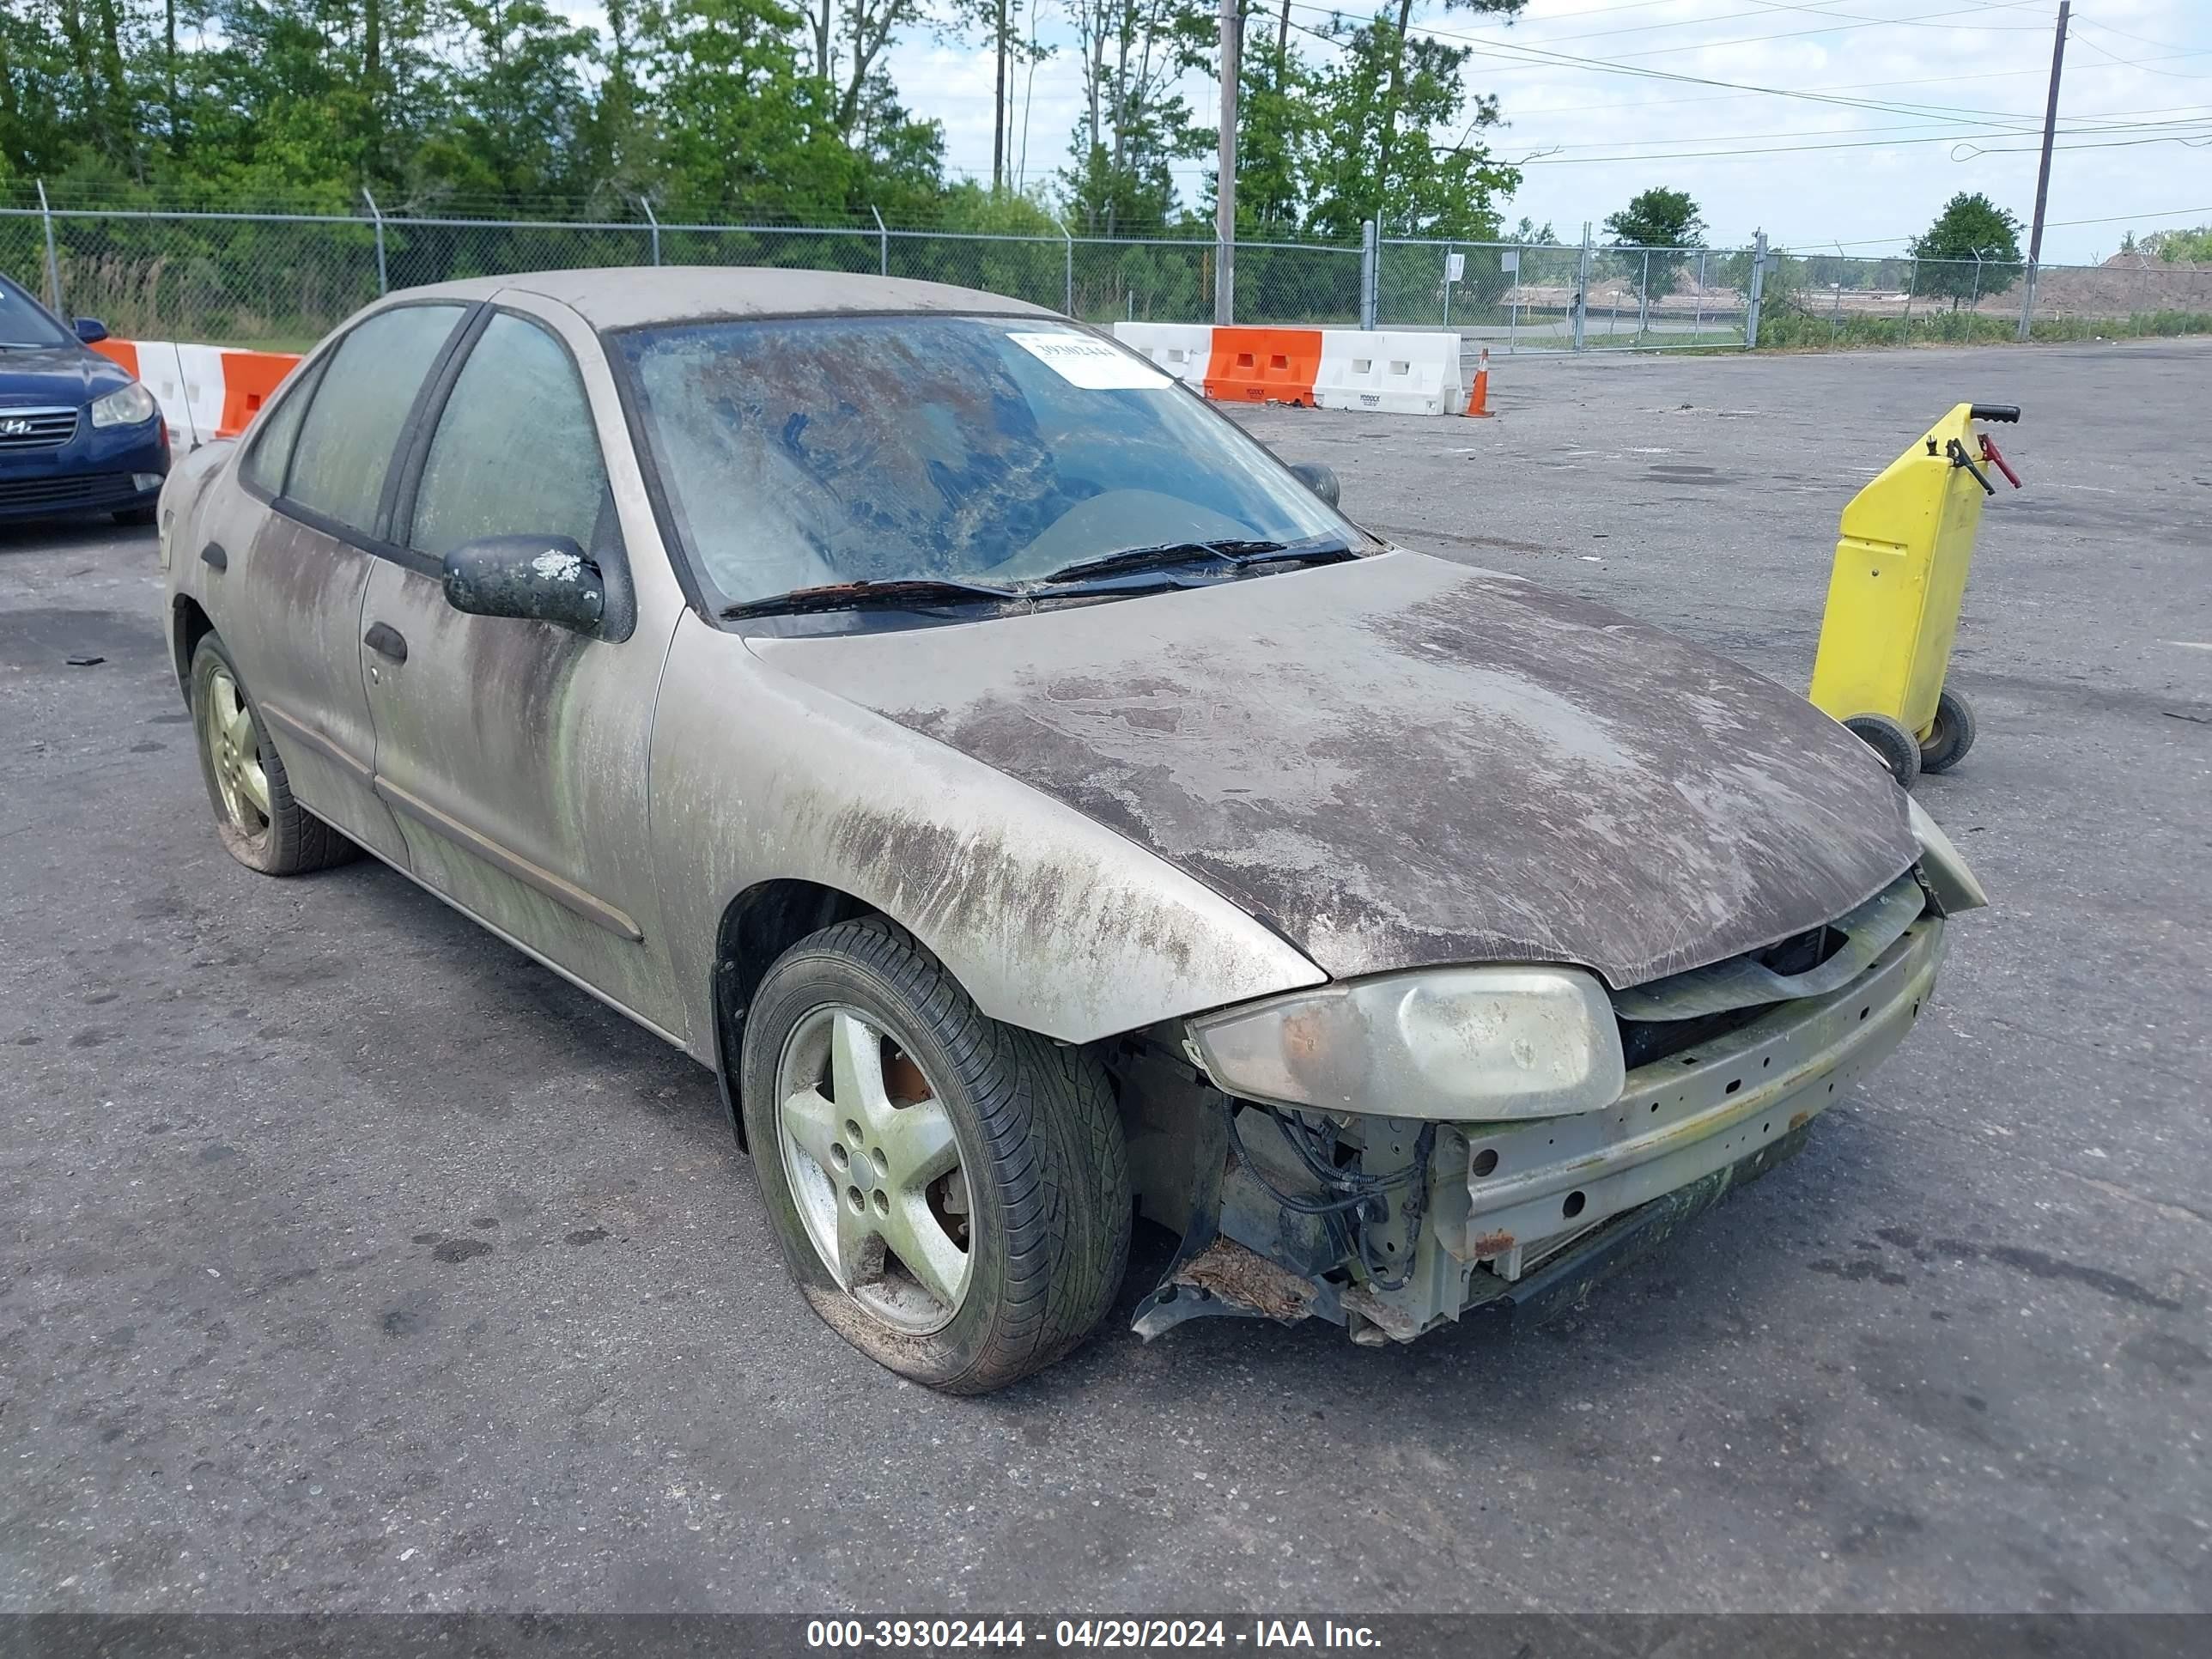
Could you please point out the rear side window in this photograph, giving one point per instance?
(515, 453)
(272, 443)
(346, 440)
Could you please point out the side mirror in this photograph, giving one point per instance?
(537, 578)
(91, 329)
(1318, 478)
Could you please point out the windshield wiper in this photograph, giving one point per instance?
(1167, 554)
(854, 596)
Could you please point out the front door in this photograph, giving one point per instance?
(514, 752)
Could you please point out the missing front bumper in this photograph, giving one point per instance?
(1523, 1216)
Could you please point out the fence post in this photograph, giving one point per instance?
(1582, 289)
(883, 243)
(383, 280)
(1643, 299)
(1370, 259)
(53, 264)
(655, 223)
(1975, 304)
(1912, 282)
(1758, 294)
(1513, 304)
(1698, 328)
(1067, 250)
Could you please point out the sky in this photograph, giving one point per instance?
(1961, 90)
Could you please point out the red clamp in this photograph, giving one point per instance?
(1989, 454)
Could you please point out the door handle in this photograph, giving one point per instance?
(385, 639)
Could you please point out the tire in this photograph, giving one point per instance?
(1951, 736)
(1898, 749)
(1044, 1242)
(135, 515)
(261, 825)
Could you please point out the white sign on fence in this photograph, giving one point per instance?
(1455, 267)
(1509, 262)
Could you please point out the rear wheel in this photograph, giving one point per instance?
(950, 1193)
(1951, 736)
(1898, 749)
(261, 825)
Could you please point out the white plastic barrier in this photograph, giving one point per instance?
(1182, 349)
(1392, 371)
(202, 368)
(162, 372)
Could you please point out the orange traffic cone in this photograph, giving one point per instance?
(1478, 401)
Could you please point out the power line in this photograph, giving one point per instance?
(1763, 9)
(2144, 63)
(1530, 58)
(2180, 51)
(2178, 115)
(2202, 136)
(2134, 218)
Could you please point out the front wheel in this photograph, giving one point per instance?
(1898, 749)
(950, 1193)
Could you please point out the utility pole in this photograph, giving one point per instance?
(1224, 204)
(2043, 172)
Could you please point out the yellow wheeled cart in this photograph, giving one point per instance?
(1893, 596)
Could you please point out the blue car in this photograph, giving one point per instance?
(77, 432)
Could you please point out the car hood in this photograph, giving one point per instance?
(56, 374)
(1397, 762)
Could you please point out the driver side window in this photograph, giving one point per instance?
(515, 452)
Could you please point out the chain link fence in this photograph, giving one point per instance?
(283, 281)
(1826, 301)
(1516, 297)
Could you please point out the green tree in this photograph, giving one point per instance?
(1135, 122)
(513, 89)
(2179, 246)
(1661, 223)
(1971, 249)
(1374, 113)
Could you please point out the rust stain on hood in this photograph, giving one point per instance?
(1398, 762)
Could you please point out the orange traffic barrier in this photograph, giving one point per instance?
(248, 380)
(1264, 365)
(1477, 400)
(122, 352)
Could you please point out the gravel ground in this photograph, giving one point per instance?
(354, 1263)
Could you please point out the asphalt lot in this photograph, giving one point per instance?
(352, 1262)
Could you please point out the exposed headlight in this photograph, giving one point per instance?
(1455, 1043)
(128, 407)
(1953, 884)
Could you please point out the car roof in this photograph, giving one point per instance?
(625, 296)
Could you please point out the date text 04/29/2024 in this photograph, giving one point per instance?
(946, 1635)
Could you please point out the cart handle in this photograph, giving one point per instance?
(2009, 413)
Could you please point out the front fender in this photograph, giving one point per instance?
(1051, 921)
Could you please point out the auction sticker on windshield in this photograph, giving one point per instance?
(1091, 364)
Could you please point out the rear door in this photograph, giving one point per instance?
(287, 595)
(514, 752)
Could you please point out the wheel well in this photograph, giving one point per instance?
(759, 926)
(189, 626)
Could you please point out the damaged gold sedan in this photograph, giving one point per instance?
(1038, 804)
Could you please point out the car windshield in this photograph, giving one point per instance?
(804, 453)
(24, 322)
